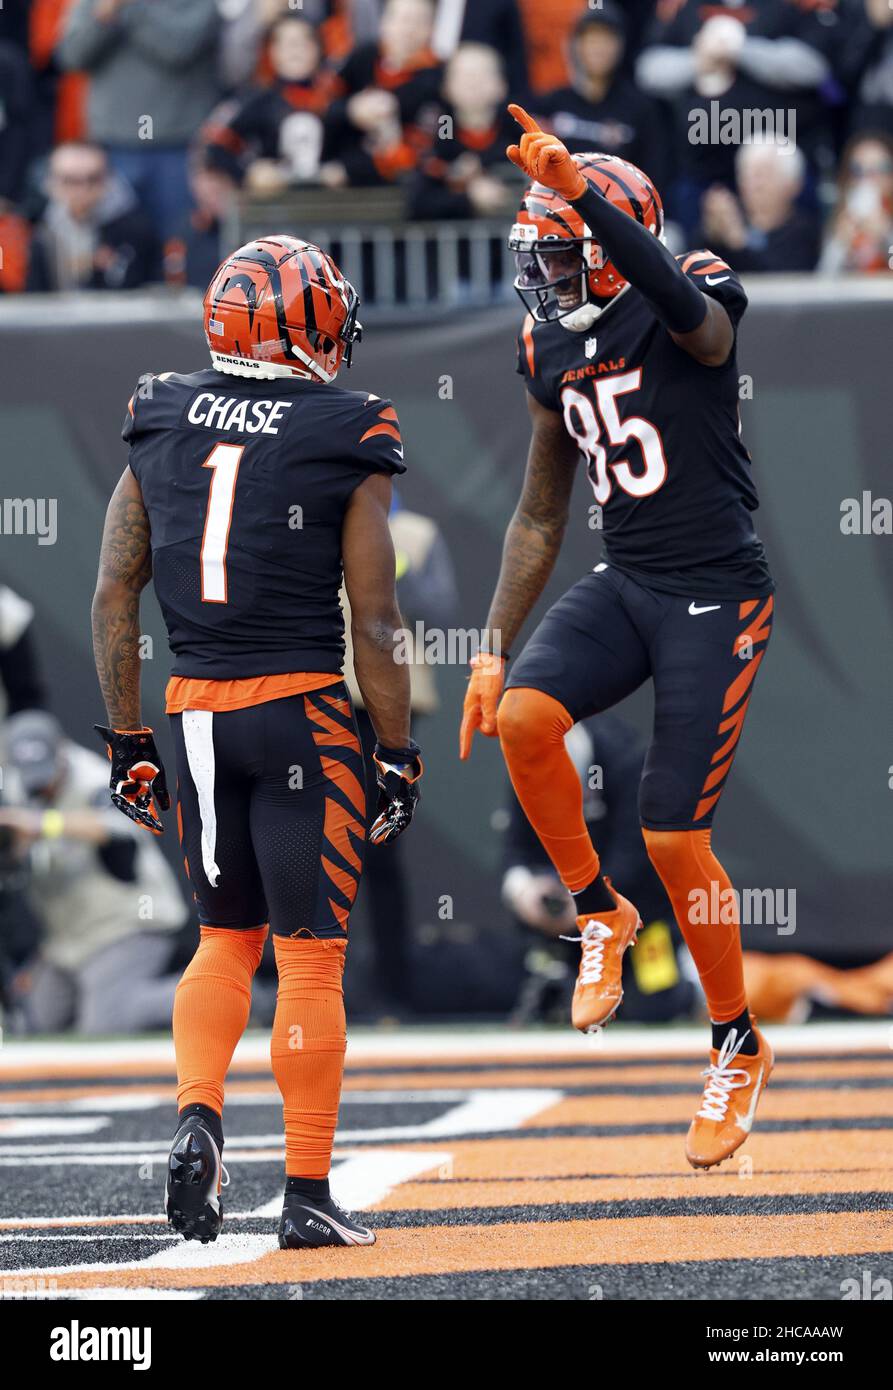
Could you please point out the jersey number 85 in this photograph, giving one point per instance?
(588, 420)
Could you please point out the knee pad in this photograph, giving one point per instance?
(528, 719)
(665, 799)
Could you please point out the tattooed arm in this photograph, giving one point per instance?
(536, 530)
(125, 568)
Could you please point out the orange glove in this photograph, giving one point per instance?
(544, 159)
(481, 699)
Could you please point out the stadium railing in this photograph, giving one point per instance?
(391, 262)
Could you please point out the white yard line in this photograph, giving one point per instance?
(423, 1044)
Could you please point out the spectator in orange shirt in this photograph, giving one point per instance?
(547, 26)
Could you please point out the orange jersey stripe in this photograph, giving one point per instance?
(381, 429)
(527, 335)
(185, 692)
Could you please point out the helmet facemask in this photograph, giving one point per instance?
(553, 273)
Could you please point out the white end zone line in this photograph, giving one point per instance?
(432, 1045)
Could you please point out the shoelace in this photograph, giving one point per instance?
(343, 1210)
(592, 939)
(721, 1078)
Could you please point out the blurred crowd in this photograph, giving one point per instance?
(129, 129)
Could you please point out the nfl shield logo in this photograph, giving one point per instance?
(590, 347)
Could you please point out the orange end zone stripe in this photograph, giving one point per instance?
(526, 1245)
(446, 1195)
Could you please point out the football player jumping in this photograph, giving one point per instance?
(248, 486)
(629, 359)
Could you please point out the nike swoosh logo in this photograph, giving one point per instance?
(746, 1121)
(715, 279)
(398, 450)
(694, 609)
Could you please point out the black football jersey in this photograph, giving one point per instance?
(246, 484)
(660, 434)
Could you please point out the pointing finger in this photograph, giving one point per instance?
(524, 120)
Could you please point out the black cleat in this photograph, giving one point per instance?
(306, 1223)
(195, 1176)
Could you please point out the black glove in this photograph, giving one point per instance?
(398, 772)
(137, 775)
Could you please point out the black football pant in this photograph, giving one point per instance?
(609, 634)
(272, 810)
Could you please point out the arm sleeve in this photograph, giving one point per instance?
(645, 262)
(85, 40)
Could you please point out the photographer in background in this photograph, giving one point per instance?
(608, 756)
(106, 900)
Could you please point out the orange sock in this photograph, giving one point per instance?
(307, 1049)
(211, 1009)
(707, 913)
(532, 727)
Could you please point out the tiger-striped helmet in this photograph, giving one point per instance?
(562, 269)
(280, 306)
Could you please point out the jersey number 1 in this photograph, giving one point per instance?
(224, 460)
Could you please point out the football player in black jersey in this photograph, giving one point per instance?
(248, 487)
(629, 360)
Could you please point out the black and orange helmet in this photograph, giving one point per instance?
(280, 306)
(561, 266)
